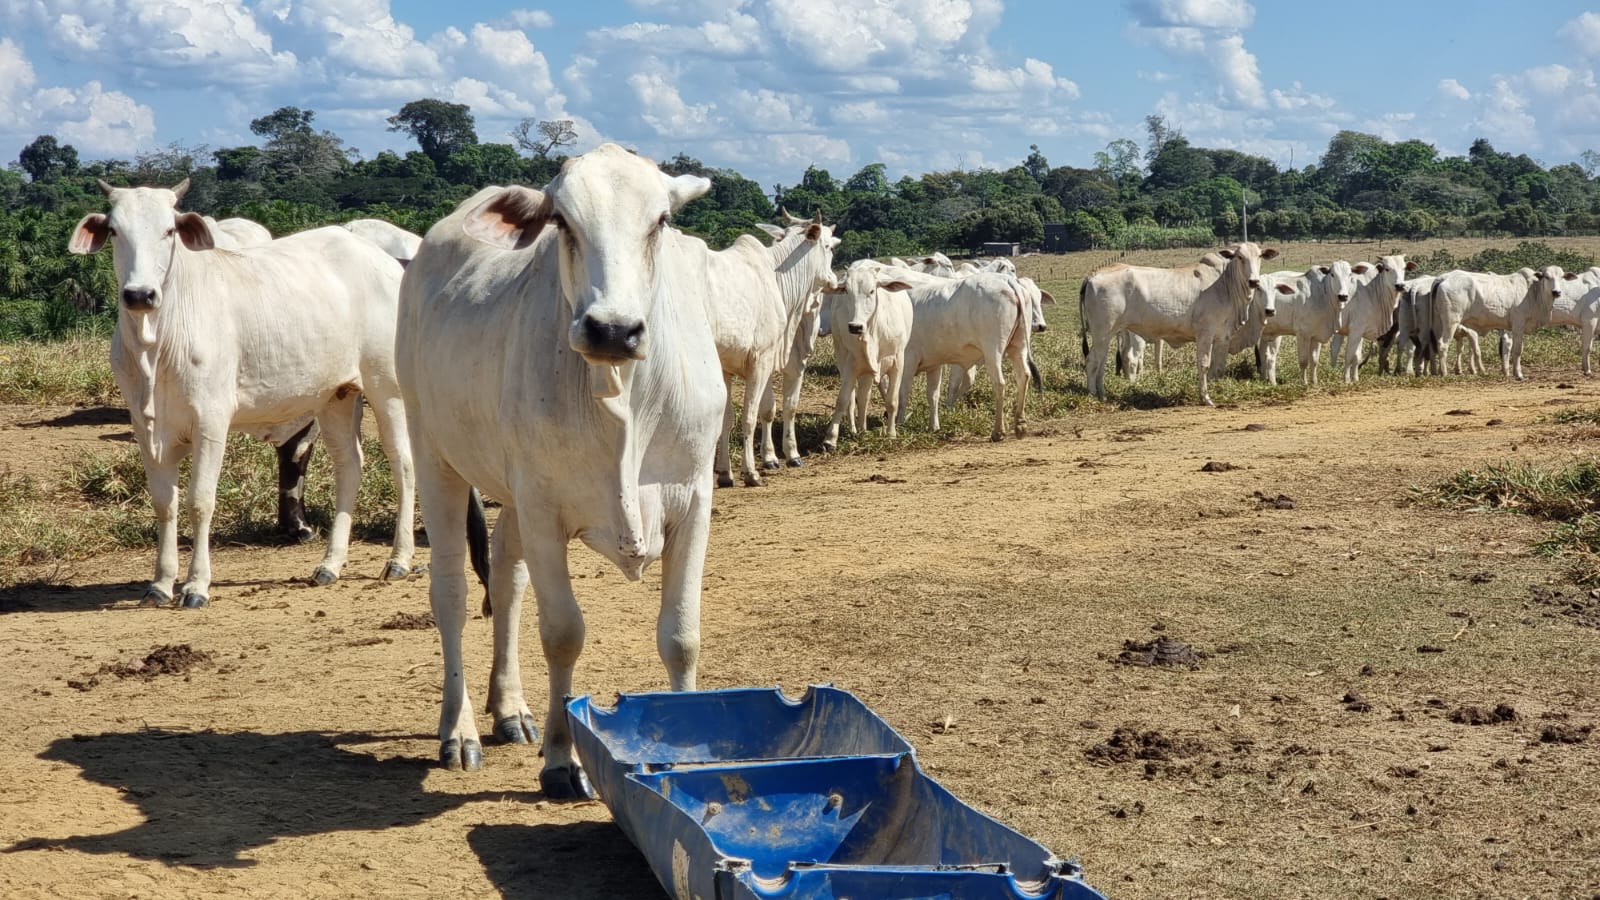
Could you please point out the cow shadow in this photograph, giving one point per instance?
(49, 595)
(581, 861)
(87, 415)
(206, 797)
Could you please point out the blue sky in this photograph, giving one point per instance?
(770, 87)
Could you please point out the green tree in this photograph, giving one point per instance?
(1037, 167)
(872, 179)
(46, 160)
(439, 127)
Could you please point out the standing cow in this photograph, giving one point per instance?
(247, 340)
(569, 371)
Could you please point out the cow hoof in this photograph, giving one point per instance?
(394, 572)
(195, 600)
(724, 479)
(302, 534)
(461, 755)
(830, 447)
(795, 462)
(155, 597)
(996, 437)
(566, 783)
(517, 729)
(324, 576)
(771, 465)
(751, 479)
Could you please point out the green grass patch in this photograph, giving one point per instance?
(1568, 496)
(75, 371)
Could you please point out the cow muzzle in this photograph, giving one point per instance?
(604, 341)
(1255, 283)
(1555, 294)
(1269, 312)
(1344, 298)
(856, 329)
(1040, 327)
(140, 299)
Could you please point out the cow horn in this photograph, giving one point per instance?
(105, 187)
(181, 188)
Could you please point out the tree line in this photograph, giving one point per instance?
(1166, 192)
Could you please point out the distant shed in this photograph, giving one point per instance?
(1001, 248)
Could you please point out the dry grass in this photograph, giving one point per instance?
(75, 371)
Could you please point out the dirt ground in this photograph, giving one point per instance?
(976, 595)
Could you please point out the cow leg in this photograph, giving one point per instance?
(1515, 362)
(754, 385)
(508, 581)
(294, 459)
(444, 498)
(1586, 337)
(1476, 348)
(561, 634)
(1161, 349)
(1352, 358)
(1203, 346)
(858, 419)
(724, 464)
(896, 386)
(769, 402)
(992, 361)
(390, 411)
(1095, 367)
(162, 479)
(1019, 368)
(935, 389)
(792, 381)
(341, 430)
(210, 441)
(1269, 359)
(841, 407)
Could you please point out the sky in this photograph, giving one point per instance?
(769, 88)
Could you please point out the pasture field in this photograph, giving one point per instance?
(977, 595)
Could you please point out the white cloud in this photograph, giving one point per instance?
(1453, 88)
(663, 108)
(1583, 33)
(530, 18)
(91, 118)
(1235, 14)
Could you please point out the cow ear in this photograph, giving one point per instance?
(834, 242)
(771, 231)
(194, 232)
(1411, 265)
(90, 235)
(814, 231)
(894, 285)
(1225, 254)
(1571, 276)
(1285, 288)
(1326, 270)
(1360, 268)
(1269, 253)
(510, 220)
(1047, 299)
(685, 188)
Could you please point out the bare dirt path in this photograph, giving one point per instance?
(977, 595)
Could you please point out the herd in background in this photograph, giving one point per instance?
(569, 353)
(1224, 304)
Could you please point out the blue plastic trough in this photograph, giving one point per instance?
(745, 794)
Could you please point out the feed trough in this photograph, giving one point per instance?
(748, 794)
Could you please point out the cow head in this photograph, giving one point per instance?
(1339, 279)
(855, 299)
(144, 228)
(1391, 271)
(611, 210)
(1244, 268)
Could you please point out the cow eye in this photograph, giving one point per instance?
(111, 232)
(559, 221)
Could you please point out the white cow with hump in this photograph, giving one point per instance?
(1520, 303)
(1579, 307)
(757, 303)
(589, 403)
(256, 340)
(396, 241)
(870, 317)
(798, 264)
(1370, 312)
(1305, 305)
(1195, 303)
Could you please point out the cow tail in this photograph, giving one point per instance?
(1436, 336)
(1261, 360)
(1083, 320)
(1033, 370)
(478, 545)
(1122, 353)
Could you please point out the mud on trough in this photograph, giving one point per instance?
(977, 595)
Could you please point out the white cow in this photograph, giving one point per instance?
(870, 313)
(1131, 346)
(1579, 307)
(983, 318)
(935, 263)
(1195, 303)
(1520, 302)
(1370, 312)
(396, 241)
(807, 259)
(961, 378)
(236, 233)
(1305, 305)
(247, 340)
(571, 372)
(757, 301)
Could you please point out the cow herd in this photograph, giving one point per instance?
(569, 353)
(1225, 304)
